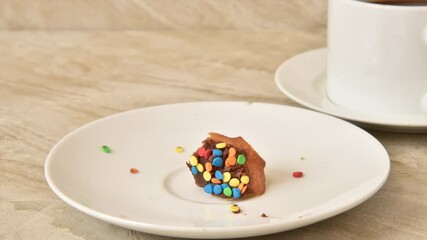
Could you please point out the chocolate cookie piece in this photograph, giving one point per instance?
(228, 167)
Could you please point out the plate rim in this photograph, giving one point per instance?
(194, 232)
(365, 119)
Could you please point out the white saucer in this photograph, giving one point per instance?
(162, 197)
(302, 78)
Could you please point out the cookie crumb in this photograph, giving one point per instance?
(264, 215)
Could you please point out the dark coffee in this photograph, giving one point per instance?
(399, 2)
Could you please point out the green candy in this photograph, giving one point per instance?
(227, 192)
(241, 159)
(106, 149)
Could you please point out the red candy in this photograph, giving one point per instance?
(297, 174)
(201, 151)
(207, 154)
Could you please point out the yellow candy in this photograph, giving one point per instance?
(234, 182)
(220, 145)
(179, 149)
(193, 161)
(244, 179)
(226, 177)
(199, 167)
(207, 176)
(234, 208)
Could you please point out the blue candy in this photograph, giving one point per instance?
(217, 189)
(218, 175)
(217, 152)
(208, 188)
(217, 162)
(194, 170)
(224, 185)
(236, 192)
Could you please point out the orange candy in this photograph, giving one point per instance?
(231, 161)
(231, 152)
(208, 166)
(215, 180)
(244, 189)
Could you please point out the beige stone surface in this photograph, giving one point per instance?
(160, 14)
(52, 82)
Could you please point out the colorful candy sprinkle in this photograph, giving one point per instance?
(244, 189)
(244, 179)
(234, 182)
(226, 177)
(208, 166)
(217, 189)
(217, 162)
(208, 188)
(201, 151)
(219, 175)
(227, 192)
(134, 170)
(179, 149)
(215, 180)
(194, 170)
(193, 161)
(106, 149)
(207, 154)
(234, 208)
(224, 185)
(236, 192)
(217, 152)
(199, 167)
(232, 152)
(241, 159)
(207, 176)
(221, 145)
(297, 174)
(231, 161)
(227, 164)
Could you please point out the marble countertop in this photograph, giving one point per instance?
(52, 82)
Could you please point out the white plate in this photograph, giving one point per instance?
(302, 78)
(343, 166)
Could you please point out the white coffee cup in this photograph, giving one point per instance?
(377, 58)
